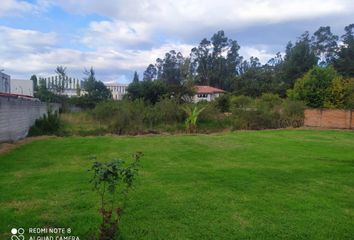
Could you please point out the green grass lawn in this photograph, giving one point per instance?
(281, 184)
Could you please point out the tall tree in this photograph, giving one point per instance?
(60, 85)
(255, 79)
(35, 82)
(324, 44)
(215, 61)
(150, 73)
(171, 68)
(299, 59)
(95, 91)
(344, 63)
(136, 77)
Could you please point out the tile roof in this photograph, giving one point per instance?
(208, 89)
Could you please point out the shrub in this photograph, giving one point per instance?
(122, 117)
(48, 124)
(134, 117)
(166, 111)
(319, 87)
(292, 114)
(222, 103)
(267, 112)
(241, 102)
(112, 181)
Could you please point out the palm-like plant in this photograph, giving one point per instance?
(192, 117)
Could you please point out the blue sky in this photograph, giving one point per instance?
(117, 37)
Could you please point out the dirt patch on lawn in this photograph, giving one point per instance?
(6, 147)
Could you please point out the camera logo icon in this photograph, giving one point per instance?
(17, 234)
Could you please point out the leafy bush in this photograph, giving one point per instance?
(140, 117)
(166, 111)
(292, 114)
(48, 124)
(134, 117)
(267, 112)
(112, 181)
(223, 103)
(324, 88)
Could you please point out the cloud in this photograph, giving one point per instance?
(133, 23)
(262, 53)
(13, 7)
(115, 34)
(14, 42)
(27, 52)
(188, 15)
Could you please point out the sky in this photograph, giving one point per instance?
(118, 37)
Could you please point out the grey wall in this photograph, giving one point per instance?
(18, 115)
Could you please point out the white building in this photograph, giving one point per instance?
(21, 87)
(206, 93)
(4, 83)
(117, 90)
(71, 86)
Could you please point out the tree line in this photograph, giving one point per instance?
(216, 62)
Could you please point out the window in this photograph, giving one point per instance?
(202, 95)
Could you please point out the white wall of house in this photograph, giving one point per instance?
(205, 97)
(21, 86)
(71, 85)
(117, 90)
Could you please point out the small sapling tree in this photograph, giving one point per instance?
(112, 181)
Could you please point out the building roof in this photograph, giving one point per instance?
(208, 89)
(15, 95)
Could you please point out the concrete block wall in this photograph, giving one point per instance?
(18, 115)
(329, 118)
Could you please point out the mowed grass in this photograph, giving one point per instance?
(281, 184)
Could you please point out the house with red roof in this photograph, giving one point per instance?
(206, 93)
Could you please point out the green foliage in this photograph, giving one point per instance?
(268, 111)
(34, 80)
(216, 62)
(257, 79)
(192, 117)
(149, 91)
(61, 71)
(166, 111)
(241, 102)
(344, 63)
(136, 77)
(349, 93)
(323, 87)
(210, 66)
(299, 59)
(45, 95)
(49, 124)
(112, 181)
(122, 117)
(95, 91)
(223, 103)
(135, 117)
(168, 77)
(324, 44)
